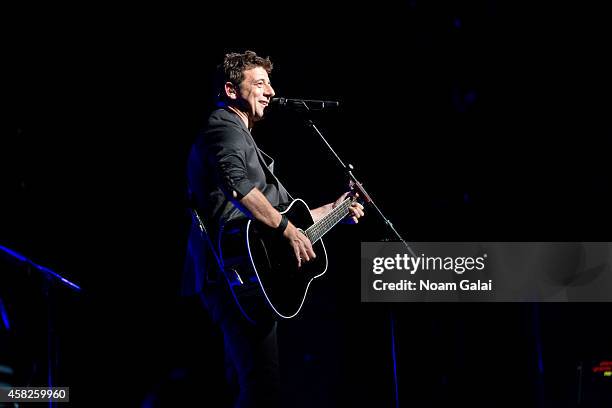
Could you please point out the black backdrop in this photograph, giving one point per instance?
(479, 121)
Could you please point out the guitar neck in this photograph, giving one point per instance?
(325, 224)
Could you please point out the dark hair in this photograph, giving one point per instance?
(233, 67)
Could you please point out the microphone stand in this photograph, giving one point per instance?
(348, 169)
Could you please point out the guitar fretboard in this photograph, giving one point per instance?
(322, 227)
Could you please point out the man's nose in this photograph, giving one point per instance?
(269, 91)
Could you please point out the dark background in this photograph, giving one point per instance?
(478, 121)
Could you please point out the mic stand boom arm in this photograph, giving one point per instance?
(348, 169)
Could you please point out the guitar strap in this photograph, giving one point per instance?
(210, 275)
(270, 167)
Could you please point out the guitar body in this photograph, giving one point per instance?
(261, 267)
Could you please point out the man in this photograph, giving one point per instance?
(229, 177)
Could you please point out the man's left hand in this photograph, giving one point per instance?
(355, 210)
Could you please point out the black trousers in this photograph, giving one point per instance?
(251, 350)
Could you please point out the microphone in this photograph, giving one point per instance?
(303, 104)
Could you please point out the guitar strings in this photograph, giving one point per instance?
(317, 230)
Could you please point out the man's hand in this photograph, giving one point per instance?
(262, 210)
(299, 243)
(355, 210)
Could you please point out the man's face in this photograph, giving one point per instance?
(254, 93)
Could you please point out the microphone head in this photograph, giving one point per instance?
(278, 102)
(304, 105)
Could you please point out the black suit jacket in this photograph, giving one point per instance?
(224, 165)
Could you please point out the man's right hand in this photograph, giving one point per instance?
(261, 210)
(301, 245)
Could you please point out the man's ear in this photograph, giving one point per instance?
(230, 90)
